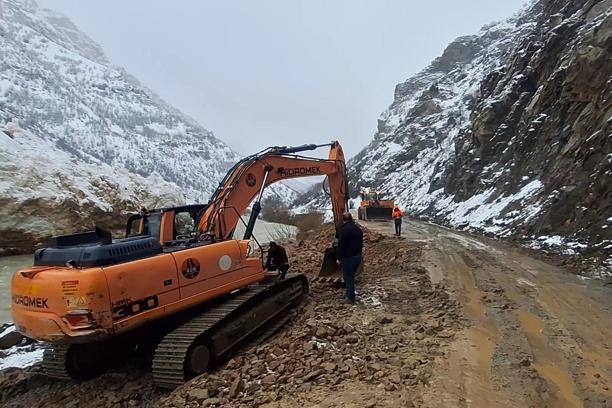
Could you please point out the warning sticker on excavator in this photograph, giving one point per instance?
(69, 287)
(190, 268)
(75, 301)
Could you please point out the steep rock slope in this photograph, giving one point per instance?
(57, 83)
(508, 132)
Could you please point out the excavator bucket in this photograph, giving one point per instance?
(329, 267)
(330, 271)
(378, 213)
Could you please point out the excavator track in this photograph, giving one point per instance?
(270, 330)
(54, 362)
(188, 350)
(85, 361)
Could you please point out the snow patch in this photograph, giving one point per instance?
(21, 357)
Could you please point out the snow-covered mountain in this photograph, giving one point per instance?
(416, 137)
(84, 122)
(45, 191)
(57, 83)
(508, 132)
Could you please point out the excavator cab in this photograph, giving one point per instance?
(169, 225)
(147, 234)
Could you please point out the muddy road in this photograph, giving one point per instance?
(443, 319)
(536, 335)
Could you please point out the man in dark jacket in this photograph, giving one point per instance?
(277, 259)
(350, 245)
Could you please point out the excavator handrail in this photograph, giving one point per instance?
(261, 250)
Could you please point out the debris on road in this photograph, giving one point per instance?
(387, 343)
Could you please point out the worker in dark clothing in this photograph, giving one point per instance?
(350, 246)
(397, 215)
(277, 260)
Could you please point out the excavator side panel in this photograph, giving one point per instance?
(213, 270)
(171, 282)
(140, 290)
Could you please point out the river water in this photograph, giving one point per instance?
(8, 265)
(264, 232)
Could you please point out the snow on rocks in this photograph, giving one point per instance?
(46, 191)
(17, 351)
(57, 83)
(21, 357)
(416, 136)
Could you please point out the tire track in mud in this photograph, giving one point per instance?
(528, 370)
(536, 335)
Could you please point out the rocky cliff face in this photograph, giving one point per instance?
(509, 131)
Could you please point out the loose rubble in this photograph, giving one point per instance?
(387, 346)
(379, 351)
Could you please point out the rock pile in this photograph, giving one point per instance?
(127, 386)
(387, 342)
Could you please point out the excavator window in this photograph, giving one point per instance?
(133, 226)
(152, 225)
(147, 225)
(184, 225)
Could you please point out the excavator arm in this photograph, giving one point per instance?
(247, 180)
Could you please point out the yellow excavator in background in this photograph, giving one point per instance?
(374, 207)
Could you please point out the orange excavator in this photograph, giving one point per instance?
(179, 289)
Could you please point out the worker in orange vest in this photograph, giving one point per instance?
(397, 215)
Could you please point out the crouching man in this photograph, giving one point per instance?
(277, 260)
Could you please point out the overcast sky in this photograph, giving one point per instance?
(283, 72)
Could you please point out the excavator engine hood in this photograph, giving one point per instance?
(91, 252)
